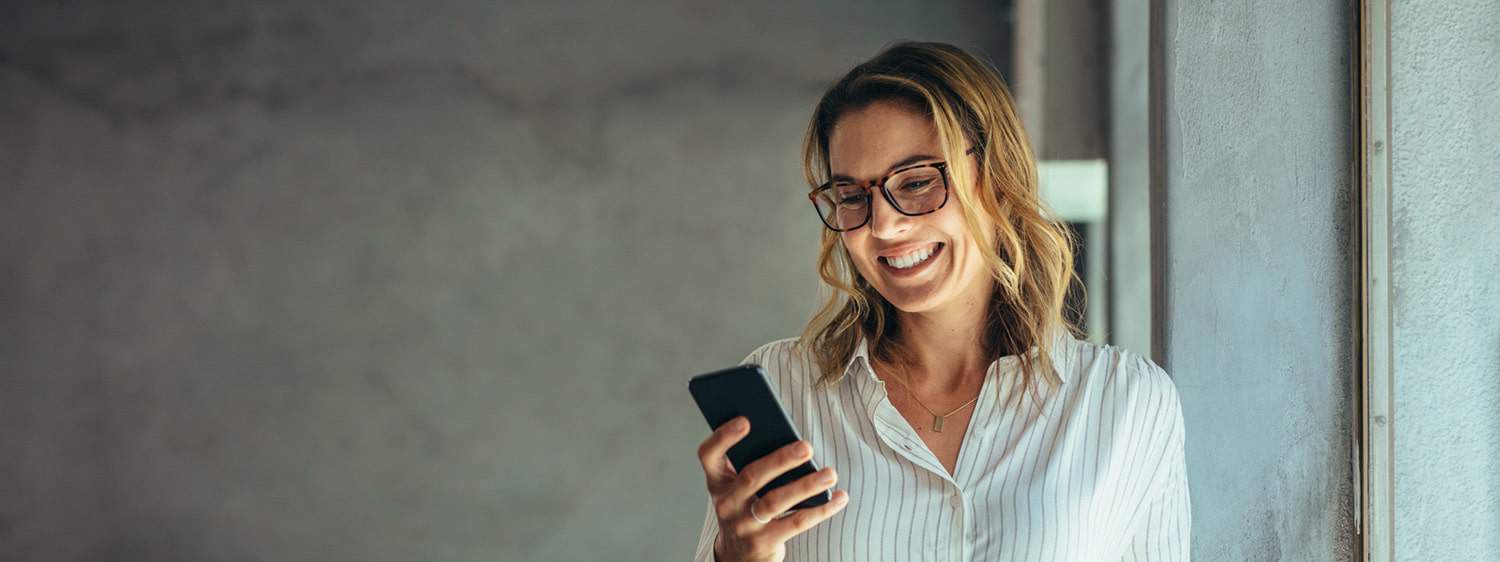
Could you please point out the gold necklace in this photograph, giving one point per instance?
(937, 420)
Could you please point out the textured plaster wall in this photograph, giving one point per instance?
(1445, 151)
(395, 280)
(1256, 304)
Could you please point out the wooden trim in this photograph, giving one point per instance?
(1376, 493)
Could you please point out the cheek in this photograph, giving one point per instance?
(853, 245)
(857, 248)
(953, 224)
(968, 259)
(853, 249)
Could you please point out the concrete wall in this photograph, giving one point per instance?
(395, 280)
(1255, 187)
(1445, 151)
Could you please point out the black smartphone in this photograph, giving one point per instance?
(744, 391)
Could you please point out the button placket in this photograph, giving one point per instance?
(963, 527)
(903, 437)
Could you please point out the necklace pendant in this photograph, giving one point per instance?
(937, 424)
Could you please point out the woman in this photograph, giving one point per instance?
(941, 384)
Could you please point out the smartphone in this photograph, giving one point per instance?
(744, 391)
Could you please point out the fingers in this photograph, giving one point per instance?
(759, 473)
(734, 491)
(711, 453)
(783, 529)
(781, 499)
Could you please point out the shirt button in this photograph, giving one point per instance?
(955, 500)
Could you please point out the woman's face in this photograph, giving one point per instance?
(869, 143)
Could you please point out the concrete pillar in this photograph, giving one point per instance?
(1253, 121)
(1445, 302)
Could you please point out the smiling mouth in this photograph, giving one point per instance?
(912, 261)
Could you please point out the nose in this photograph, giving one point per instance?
(885, 220)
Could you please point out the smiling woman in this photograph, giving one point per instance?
(940, 102)
(950, 283)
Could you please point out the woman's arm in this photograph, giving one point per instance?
(1165, 534)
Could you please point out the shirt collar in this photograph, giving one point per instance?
(1061, 341)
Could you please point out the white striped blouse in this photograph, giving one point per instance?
(1095, 472)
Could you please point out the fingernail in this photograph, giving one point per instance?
(804, 449)
(740, 423)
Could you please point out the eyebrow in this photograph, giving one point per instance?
(909, 160)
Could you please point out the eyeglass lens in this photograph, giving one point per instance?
(845, 205)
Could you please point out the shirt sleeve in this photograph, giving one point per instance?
(705, 550)
(1166, 530)
(1165, 536)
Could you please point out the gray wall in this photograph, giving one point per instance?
(1257, 272)
(395, 280)
(1075, 69)
(1129, 218)
(1445, 169)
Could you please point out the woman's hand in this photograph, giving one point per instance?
(741, 537)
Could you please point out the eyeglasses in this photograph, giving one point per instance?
(912, 191)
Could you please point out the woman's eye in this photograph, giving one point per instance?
(848, 194)
(915, 185)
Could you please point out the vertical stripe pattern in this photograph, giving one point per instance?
(1095, 470)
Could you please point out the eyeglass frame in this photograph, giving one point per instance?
(867, 187)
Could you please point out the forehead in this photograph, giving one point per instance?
(865, 142)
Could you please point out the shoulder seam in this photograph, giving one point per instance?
(760, 351)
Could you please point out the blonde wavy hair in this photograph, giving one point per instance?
(1029, 254)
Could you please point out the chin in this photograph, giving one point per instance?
(916, 299)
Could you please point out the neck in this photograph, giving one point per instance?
(948, 343)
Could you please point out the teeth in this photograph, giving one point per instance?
(913, 258)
